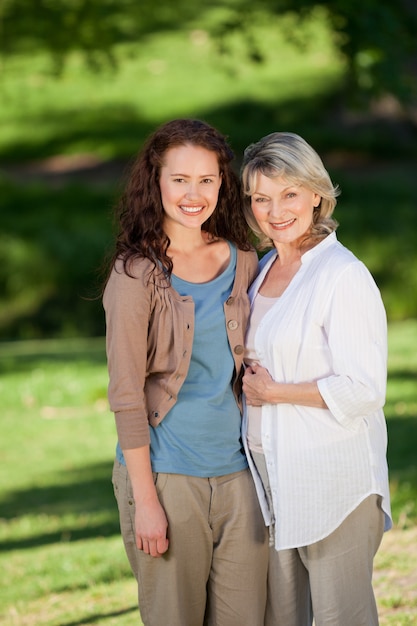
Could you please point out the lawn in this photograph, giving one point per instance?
(65, 141)
(63, 146)
(62, 559)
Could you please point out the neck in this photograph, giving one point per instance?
(185, 240)
(292, 252)
(288, 254)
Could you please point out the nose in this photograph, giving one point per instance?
(275, 209)
(192, 190)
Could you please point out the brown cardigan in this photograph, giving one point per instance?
(149, 338)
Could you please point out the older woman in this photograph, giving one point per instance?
(315, 387)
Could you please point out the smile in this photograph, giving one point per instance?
(282, 225)
(191, 209)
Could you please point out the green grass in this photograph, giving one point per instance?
(56, 231)
(177, 73)
(61, 553)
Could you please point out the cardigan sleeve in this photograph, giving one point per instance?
(127, 304)
(356, 328)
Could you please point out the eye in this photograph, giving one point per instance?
(207, 181)
(178, 180)
(260, 199)
(291, 194)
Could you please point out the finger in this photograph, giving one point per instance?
(156, 549)
(162, 546)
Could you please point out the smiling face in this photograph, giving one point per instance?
(282, 209)
(189, 181)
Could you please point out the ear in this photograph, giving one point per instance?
(316, 200)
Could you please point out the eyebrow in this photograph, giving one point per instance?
(261, 193)
(187, 175)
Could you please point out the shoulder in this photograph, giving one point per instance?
(137, 277)
(266, 258)
(344, 270)
(247, 262)
(135, 267)
(332, 256)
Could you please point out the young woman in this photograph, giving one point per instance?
(176, 312)
(315, 388)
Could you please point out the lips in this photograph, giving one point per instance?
(191, 210)
(282, 225)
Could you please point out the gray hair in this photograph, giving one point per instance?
(289, 156)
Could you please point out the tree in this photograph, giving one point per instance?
(376, 38)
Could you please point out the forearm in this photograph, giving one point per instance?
(150, 520)
(260, 388)
(138, 463)
(304, 394)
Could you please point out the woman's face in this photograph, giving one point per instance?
(283, 210)
(189, 181)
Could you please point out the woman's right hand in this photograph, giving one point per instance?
(151, 527)
(151, 523)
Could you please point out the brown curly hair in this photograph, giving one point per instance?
(140, 213)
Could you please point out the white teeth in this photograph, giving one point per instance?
(191, 209)
(283, 224)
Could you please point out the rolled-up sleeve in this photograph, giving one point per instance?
(356, 327)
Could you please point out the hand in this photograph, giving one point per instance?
(151, 527)
(257, 385)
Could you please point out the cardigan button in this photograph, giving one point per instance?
(232, 324)
(239, 349)
(230, 300)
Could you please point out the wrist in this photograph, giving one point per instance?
(272, 395)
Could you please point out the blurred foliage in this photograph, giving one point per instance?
(375, 38)
(51, 254)
(65, 139)
(53, 241)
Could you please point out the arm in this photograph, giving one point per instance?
(127, 302)
(260, 388)
(354, 327)
(150, 520)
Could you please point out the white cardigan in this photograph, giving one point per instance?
(328, 326)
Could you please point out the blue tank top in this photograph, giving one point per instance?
(200, 436)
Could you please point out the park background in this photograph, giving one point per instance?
(82, 83)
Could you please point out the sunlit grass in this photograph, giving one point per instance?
(178, 73)
(61, 550)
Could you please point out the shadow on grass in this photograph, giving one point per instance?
(97, 617)
(402, 438)
(90, 531)
(83, 495)
(22, 356)
(402, 465)
(87, 491)
(313, 113)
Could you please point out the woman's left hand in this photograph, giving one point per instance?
(257, 385)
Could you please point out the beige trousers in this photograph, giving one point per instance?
(330, 579)
(214, 573)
